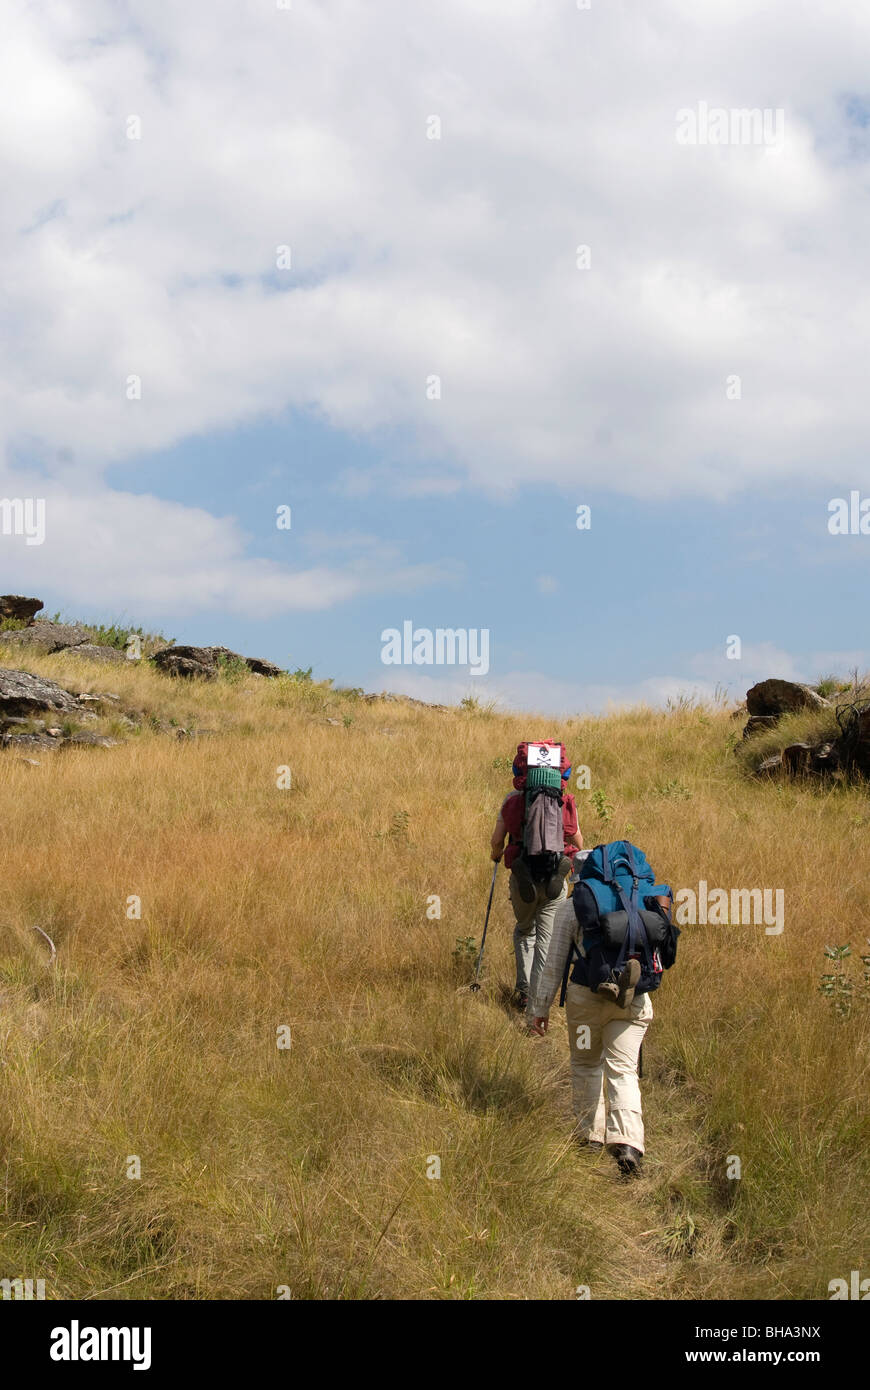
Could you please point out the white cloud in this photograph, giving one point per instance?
(707, 676)
(139, 553)
(536, 693)
(263, 127)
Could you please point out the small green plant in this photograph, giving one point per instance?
(839, 986)
(231, 668)
(501, 764)
(679, 1238)
(603, 808)
(834, 685)
(300, 676)
(471, 704)
(674, 789)
(117, 635)
(347, 720)
(465, 950)
(12, 624)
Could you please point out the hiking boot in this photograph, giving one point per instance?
(627, 1158)
(628, 978)
(556, 881)
(524, 881)
(609, 990)
(520, 1001)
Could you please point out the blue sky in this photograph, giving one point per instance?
(159, 161)
(660, 582)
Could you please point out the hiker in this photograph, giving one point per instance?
(617, 932)
(540, 821)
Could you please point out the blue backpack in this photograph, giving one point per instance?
(622, 918)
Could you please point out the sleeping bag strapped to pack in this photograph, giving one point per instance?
(616, 902)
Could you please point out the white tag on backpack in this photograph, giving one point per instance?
(542, 755)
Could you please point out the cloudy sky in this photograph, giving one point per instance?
(330, 256)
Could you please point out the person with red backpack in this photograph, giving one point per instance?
(539, 820)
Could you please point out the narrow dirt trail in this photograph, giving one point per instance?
(648, 1244)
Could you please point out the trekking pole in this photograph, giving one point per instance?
(476, 986)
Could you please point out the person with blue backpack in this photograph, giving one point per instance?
(609, 947)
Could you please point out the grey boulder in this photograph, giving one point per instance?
(777, 697)
(48, 637)
(22, 694)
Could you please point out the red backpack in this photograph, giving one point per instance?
(540, 769)
(546, 757)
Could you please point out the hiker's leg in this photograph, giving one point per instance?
(524, 936)
(544, 920)
(583, 1016)
(622, 1035)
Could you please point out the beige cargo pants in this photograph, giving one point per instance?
(605, 1043)
(534, 927)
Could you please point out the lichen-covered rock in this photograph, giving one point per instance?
(94, 653)
(22, 693)
(86, 739)
(777, 697)
(190, 661)
(769, 765)
(48, 637)
(18, 608)
(261, 667)
(206, 662)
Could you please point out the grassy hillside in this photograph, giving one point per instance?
(306, 907)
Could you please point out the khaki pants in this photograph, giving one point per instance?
(532, 935)
(606, 1090)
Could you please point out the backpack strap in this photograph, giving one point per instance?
(635, 938)
(568, 963)
(605, 863)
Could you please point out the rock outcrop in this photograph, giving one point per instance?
(206, 662)
(769, 700)
(94, 653)
(19, 609)
(773, 698)
(22, 694)
(844, 748)
(261, 667)
(48, 637)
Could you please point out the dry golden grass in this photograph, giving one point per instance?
(306, 907)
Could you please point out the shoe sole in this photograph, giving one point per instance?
(525, 886)
(627, 984)
(557, 881)
(627, 1167)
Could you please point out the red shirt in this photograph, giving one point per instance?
(513, 814)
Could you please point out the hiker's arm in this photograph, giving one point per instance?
(572, 837)
(498, 838)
